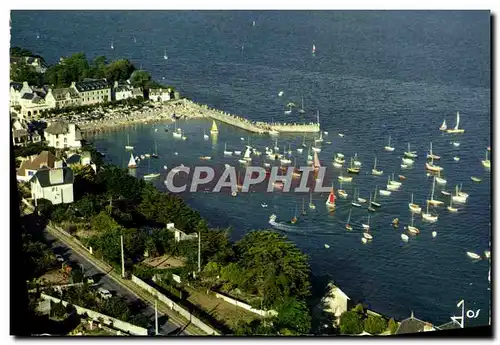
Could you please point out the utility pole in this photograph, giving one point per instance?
(199, 251)
(123, 258)
(156, 316)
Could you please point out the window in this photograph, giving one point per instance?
(65, 140)
(30, 173)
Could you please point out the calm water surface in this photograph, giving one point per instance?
(375, 74)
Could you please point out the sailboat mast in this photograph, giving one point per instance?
(433, 185)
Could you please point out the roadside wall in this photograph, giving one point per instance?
(264, 313)
(174, 306)
(108, 320)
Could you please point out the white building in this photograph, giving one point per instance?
(336, 301)
(159, 95)
(93, 91)
(29, 166)
(55, 185)
(61, 135)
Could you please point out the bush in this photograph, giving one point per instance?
(393, 326)
(375, 324)
(351, 322)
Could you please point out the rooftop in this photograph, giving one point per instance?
(43, 177)
(44, 159)
(17, 86)
(413, 325)
(63, 93)
(92, 84)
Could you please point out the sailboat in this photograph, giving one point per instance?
(342, 193)
(246, 156)
(348, 225)
(330, 202)
(354, 203)
(429, 217)
(214, 129)
(451, 208)
(296, 172)
(304, 141)
(303, 208)
(355, 160)
(439, 179)
(443, 126)
(411, 228)
(414, 208)
(128, 146)
(131, 162)
(150, 175)
(313, 49)
(486, 162)
(374, 202)
(367, 228)
(316, 163)
(294, 219)
(352, 169)
(226, 152)
(155, 154)
(389, 148)
(112, 46)
(301, 110)
(320, 139)
(205, 135)
(290, 106)
(432, 167)
(370, 207)
(410, 154)
(458, 197)
(390, 187)
(374, 170)
(165, 57)
(456, 129)
(405, 237)
(393, 182)
(177, 133)
(432, 155)
(311, 205)
(316, 149)
(432, 201)
(342, 178)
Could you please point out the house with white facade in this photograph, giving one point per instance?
(160, 95)
(37, 63)
(62, 97)
(122, 91)
(62, 135)
(336, 301)
(17, 90)
(29, 166)
(93, 91)
(55, 185)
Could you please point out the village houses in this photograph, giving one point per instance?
(62, 135)
(32, 164)
(55, 185)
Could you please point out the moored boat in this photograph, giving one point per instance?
(473, 255)
(131, 162)
(456, 130)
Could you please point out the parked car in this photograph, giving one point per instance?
(104, 293)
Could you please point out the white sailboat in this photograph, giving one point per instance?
(451, 208)
(405, 237)
(301, 110)
(411, 228)
(432, 201)
(456, 130)
(246, 156)
(374, 170)
(370, 206)
(440, 180)
(432, 155)
(128, 146)
(356, 161)
(443, 126)
(486, 162)
(432, 167)
(205, 135)
(165, 57)
(393, 182)
(459, 198)
(177, 133)
(391, 187)
(150, 176)
(290, 106)
(366, 227)
(311, 205)
(354, 203)
(226, 152)
(131, 162)
(389, 148)
(387, 192)
(348, 225)
(342, 193)
(410, 154)
(429, 217)
(374, 202)
(414, 208)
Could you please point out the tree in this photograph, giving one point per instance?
(21, 72)
(375, 324)
(18, 51)
(104, 223)
(119, 70)
(393, 326)
(294, 316)
(140, 78)
(351, 322)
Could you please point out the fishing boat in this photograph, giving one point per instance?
(443, 126)
(410, 154)
(348, 223)
(389, 148)
(456, 130)
(355, 161)
(411, 228)
(131, 162)
(316, 163)
(370, 207)
(330, 202)
(432, 155)
(475, 179)
(451, 208)
(311, 205)
(460, 198)
(429, 217)
(214, 129)
(486, 162)
(128, 146)
(432, 201)
(473, 256)
(456, 143)
(405, 237)
(456, 159)
(374, 170)
(374, 202)
(431, 167)
(226, 152)
(414, 208)
(434, 234)
(352, 169)
(354, 203)
(342, 193)
(205, 135)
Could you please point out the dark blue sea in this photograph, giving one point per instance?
(374, 74)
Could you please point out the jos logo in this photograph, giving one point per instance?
(470, 314)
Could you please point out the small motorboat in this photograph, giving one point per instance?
(165, 167)
(445, 193)
(328, 142)
(367, 236)
(475, 179)
(401, 177)
(147, 155)
(473, 256)
(413, 229)
(364, 240)
(242, 139)
(434, 234)
(300, 150)
(327, 246)
(337, 165)
(264, 205)
(456, 159)
(341, 135)
(404, 166)
(325, 132)
(440, 180)
(237, 153)
(456, 144)
(487, 254)
(234, 193)
(342, 193)
(205, 158)
(143, 157)
(395, 222)
(405, 237)
(176, 153)
(408, 161)
(384, 192)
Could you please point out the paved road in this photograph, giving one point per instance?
(165, 326)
